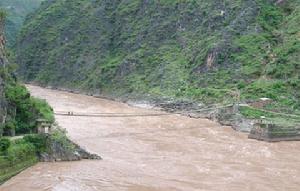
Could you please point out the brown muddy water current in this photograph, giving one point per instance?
(157, 153)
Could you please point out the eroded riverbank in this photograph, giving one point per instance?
(153, 153)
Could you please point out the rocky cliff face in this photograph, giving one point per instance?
(18, 110)
(60, 148)
(209, 51)
(2, 65)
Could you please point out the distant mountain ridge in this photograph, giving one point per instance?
(17, 11)
(207, 51)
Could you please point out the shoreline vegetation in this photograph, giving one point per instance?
(18, 115)
(17, 155)
(21, 142)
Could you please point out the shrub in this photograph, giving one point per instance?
(38, 141)
(28, 109)
(4, 144)
(43, 109)
(10, 125)
(20, 151)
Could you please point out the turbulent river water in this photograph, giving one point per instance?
(157, 153)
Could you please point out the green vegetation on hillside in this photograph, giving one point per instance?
(285, 120)
(19, 110)
(17, 12)
(18, 114)
(27, 109)
(205, 51)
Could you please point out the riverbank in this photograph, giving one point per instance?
(31, 149)
(157, 153)
(20, 155)
(241, 117)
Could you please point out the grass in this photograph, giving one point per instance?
(17, 157)
(283, 120)
(10, 171)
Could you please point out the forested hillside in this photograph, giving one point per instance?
(207, 51)
(18, 116)
(17, 11)
(19, 111)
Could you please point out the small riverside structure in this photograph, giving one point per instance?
(43, 126)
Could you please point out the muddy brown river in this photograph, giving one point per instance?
(157, 153)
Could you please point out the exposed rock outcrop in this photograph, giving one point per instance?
(2, 65)
(225, 115)
(60, 148)
(58, 152)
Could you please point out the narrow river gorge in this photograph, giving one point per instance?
(157, 153)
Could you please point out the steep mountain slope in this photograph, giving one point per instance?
(18, 9)
(207, 51)
(2, 65)
(20, 114)
(18, 111)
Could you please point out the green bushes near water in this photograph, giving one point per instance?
(27, 109)
(18, 155)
